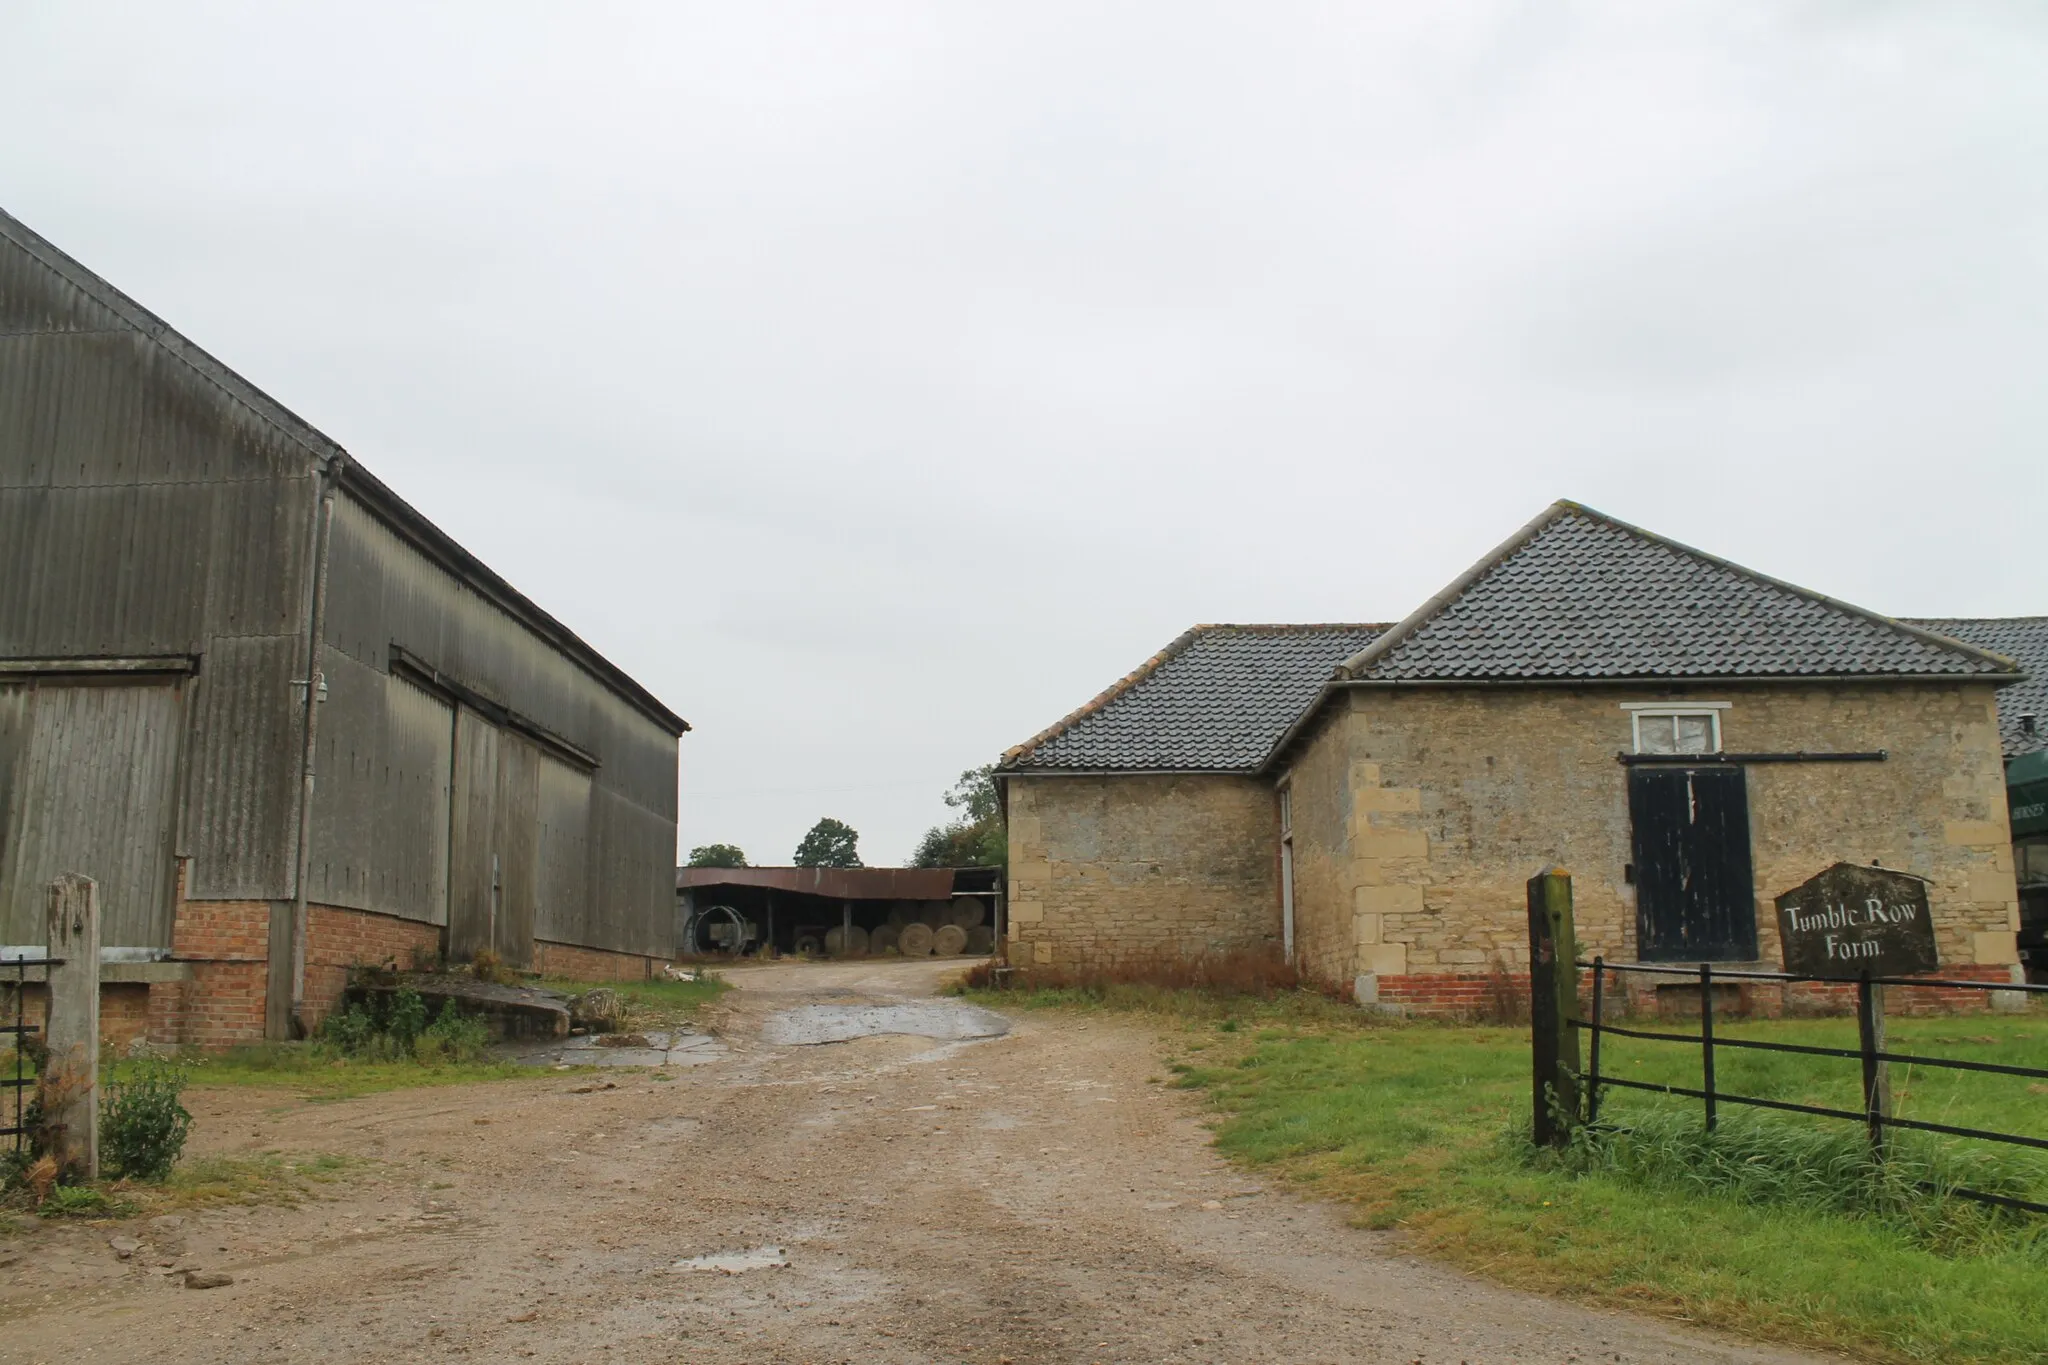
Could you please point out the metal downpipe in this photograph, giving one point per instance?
(316, 630)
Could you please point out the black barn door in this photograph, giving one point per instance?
(1695, 894)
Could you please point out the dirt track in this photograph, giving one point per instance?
(1023, 1199)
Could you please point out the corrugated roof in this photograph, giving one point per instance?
(357, 482)
(838, 883)
(1213, 700)
(1579, 595)
(2024, 640)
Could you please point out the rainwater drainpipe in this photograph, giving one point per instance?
(315, 683)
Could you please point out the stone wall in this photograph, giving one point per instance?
(1129, 869)
(1419, 814)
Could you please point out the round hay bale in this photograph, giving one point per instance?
(915, 940)
(807, 945)
(902, 913)
(841, 943)
(932, 914)
(966, 911)
(949, 941)
(882, 938)
(981, 940)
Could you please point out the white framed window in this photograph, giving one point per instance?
(1692, 727)
(1286, 811)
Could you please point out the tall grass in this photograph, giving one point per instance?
(1217, 986)
(1821, 1169)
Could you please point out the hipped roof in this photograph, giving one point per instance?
(1575, 596)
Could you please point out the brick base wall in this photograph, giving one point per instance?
(571, 963)
(228, 945)
(341, 939)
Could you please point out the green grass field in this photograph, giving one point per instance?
(1420, 1127)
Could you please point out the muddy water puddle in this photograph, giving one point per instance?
(735, 1262)
(940, 1020)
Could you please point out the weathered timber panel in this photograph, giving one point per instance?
(563, 913)
(472, 872)
(90, 787)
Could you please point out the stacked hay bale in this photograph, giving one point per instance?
(840, 942)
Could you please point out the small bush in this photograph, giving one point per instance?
(393, 1027)
(349, 1030)
(407, 1019)
(487, 966)
(453, 1037)
(143, 1122)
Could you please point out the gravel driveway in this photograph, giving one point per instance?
(1016, 1198)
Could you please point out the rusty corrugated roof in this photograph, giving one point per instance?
(837, 883)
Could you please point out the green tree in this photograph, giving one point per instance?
(717, 855)
(831, 843)
(974, 837)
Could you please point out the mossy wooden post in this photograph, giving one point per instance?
(69, 1089)
(1553, 998)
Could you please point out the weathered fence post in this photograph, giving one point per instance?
(1553, 999)
(1877, 1075)
(70, 1079)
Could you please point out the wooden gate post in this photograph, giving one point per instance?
(1553, 998)
(1877, 1075)
(70, 1081)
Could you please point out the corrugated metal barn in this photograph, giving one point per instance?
(174, 548)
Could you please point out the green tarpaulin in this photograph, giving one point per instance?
(2026, 789)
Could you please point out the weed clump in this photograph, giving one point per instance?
(144, 1122)
(393, 1027)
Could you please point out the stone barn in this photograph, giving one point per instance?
(1688, 737)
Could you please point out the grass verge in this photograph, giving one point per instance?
(264, 1178)
(1419, 1127)
(654, 1003)
(320, 1073)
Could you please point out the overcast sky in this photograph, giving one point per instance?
(878, 382)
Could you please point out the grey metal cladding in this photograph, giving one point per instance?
(384, 591)
(565, 864)
(242, 779)
(1587, 597)
(153, 502)
(380, 806)
(1219, 701)
(2023, 639)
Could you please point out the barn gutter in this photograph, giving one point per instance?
(313, 681)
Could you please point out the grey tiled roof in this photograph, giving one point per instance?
(2024, 640)
(1580, 595)
(1216, 698)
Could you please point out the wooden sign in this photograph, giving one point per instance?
(1850, 920)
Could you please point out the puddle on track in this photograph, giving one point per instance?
(663, 1049)
(936, 1019)
(735, 1262)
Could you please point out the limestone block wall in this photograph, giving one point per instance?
(1419, 814)
(1122, 869)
